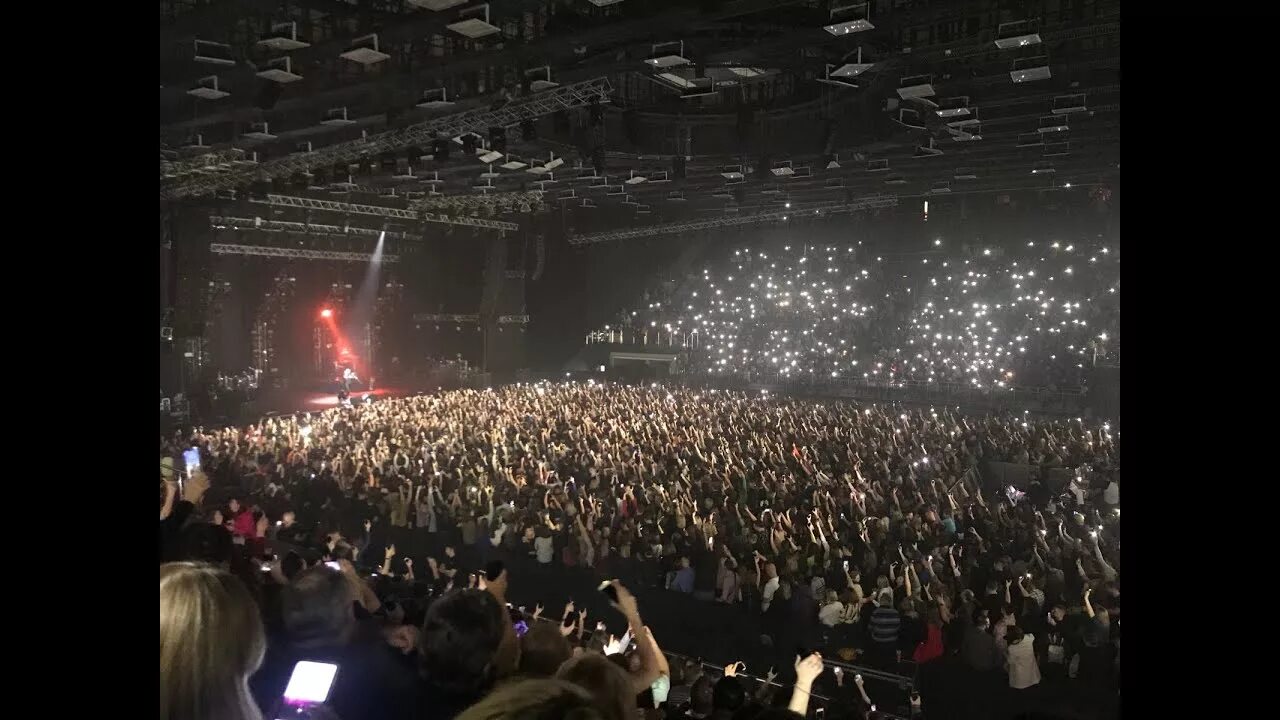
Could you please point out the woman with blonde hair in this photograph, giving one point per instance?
(535, 700)
(211, 642)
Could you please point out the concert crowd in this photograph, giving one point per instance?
(1038, 315)
(447, 551)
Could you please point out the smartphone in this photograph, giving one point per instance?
(334, 564)
(191, 459)
(846, 566)
(310, 683)
(609, 590)
(521, 628)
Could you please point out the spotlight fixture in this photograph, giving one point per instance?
(1019, 33)
(472, 26)
(661, 57)
(849, 19)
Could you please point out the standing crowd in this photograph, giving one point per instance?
(416, 542)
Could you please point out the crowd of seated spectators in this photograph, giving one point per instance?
(415, 542)
(1037, 315)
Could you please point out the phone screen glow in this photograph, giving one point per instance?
(310, 682)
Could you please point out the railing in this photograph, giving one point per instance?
(903, 683)
(651, 337)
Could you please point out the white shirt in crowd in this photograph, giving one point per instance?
(1023, 669)
(545, 549)
(1077, 491)
(831, 614)
(766, 595)
(1111, 495)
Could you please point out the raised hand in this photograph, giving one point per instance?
(808, 669)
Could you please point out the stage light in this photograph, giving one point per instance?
(325, 313)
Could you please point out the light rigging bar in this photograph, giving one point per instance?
(307, 203)
(733, 221)
(218, 222)
(296, 253)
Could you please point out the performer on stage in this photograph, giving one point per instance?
(348, 376)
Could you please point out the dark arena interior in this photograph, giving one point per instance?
(617, 359)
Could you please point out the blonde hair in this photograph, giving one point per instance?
(534, 700)
(211, 642)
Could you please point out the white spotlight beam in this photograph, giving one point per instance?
(733, 221)
(296, 253)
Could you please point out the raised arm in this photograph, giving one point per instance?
(807, 670)
(651, 660)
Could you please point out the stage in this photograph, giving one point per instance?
(283, 401)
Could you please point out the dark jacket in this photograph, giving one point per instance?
(372, 682)
(979, 650)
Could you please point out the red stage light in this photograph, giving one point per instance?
(326, 313)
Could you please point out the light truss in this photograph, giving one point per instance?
(477, 202)
(513, 319)
(218, 222)
(297, 253)
(445, 318)
(307, 203)
(421, 134)
(216, 161)
(882, 201)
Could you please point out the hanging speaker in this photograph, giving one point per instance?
(560, 122)
(498, 139)
(268, 95)
(631, 126)
(763, 167)
(678, 166)
(528, 131)
(440, 149)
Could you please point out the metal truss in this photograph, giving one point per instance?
(217, 222)
(478, 202)
(216, 161)
(307, 203)
(445, 317)
(421, 134)
(513, 319)
(733, 221)
(296, 253)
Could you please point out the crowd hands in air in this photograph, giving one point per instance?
(1038, 315)
(859, 528)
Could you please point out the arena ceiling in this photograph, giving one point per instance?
(631, 113)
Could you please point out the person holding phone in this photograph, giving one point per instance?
(320, 625)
